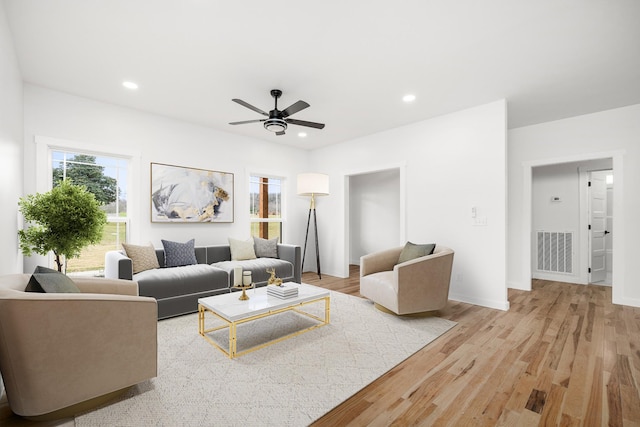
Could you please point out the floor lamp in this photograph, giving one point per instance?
(312, 184)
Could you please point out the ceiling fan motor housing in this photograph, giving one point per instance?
(275, 122)
(275, 125)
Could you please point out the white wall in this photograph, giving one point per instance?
(98, 126)
(10, 150)
(613, 133)
(10, 153)
(563, 180)
(374, 213)
(453, 162)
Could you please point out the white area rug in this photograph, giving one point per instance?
(291, 383)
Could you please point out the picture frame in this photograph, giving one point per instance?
(191, 195)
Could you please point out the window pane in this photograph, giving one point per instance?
(273, 230)
(92, 257)
(265, 202)
(106, 178)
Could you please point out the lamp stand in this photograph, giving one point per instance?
(312, 207)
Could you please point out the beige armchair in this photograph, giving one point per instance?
(418, 285)
(63, 352)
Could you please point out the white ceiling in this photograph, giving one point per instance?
(351, 60)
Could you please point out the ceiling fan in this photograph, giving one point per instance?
(278, 119)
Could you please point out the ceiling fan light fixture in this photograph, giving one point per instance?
(275, 125)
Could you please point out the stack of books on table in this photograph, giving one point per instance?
(287, 290)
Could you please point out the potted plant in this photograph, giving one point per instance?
(63, 220)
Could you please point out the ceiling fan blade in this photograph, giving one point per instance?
(305, 123)
(294, 108)
(280, 133)
(249, 106)
(247, 121)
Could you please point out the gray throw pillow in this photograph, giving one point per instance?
(178, 254)
(266, 248)
(48, 280)
(413, 251)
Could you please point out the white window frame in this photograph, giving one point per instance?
(44, 176)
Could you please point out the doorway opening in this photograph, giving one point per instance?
(375, 212)
(617, 245)
(569, 224)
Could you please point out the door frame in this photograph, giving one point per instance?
(618, 280)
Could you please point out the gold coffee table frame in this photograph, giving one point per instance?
(232, 325)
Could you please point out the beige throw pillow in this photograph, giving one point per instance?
(142, 257)
(241, 250)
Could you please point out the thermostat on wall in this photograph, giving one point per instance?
(555, 199)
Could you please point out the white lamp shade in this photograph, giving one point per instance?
(313, 184)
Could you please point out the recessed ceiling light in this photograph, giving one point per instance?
(409, 98)
(302, 134)
(130, 85)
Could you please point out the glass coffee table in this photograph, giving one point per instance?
(233, 312)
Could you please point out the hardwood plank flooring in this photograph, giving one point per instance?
(562, 355)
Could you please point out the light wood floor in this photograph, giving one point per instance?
(562, 355)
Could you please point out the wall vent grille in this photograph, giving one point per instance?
(555, 251)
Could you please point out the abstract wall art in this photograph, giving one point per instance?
(182, 194)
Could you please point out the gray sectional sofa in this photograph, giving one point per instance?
(177, 289)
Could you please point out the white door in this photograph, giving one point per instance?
(597, 226)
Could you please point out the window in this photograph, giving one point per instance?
(106, 178)
(265, 206)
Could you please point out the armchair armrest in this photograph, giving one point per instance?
(379, 261)
(426, 278)
(117, 266)
(60, 349)
(293, 254)
(435, 267)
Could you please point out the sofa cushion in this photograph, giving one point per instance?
(179, 254)
(412, 251)
(189, 279)
(48, 280)
(258, 268)
(266, 248)
(241, 250)
(142, 257)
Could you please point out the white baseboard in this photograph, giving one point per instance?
(632, 302)
(498, 305)
(518, 285)
(558, 278)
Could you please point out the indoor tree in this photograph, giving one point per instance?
(63, 220)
